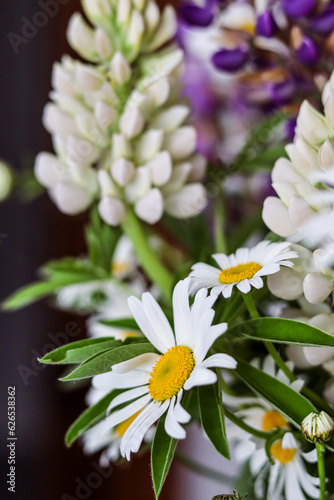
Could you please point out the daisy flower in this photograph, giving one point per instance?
(242, 269)
(157, 381)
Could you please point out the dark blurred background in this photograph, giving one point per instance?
(37, 232)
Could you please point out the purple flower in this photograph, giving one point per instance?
(197, 16)
(265, 25)
(307, 52)
(324, 23)
(297, 9)
(230, 59)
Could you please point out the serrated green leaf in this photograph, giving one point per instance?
(102, 363)
(90, 417)
(28, 295)
(163, 451)
(280, 330)
(213, 417)
(122, 323)
(78, 352)
(286, 400)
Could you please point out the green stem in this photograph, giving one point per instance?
(240, 423)
(219, 227)
(321, 470)
(201, 469)
(312, 396)
(147, 256)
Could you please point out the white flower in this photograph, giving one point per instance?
(243, 269)
(157, 381)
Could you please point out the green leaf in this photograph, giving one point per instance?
(102, 363)
(287, 401)
(90, 417)
(280, 330)
(69, 271)
(122, 323)
(78, 352)
(213, 418)
(28, 295)
(163, 451)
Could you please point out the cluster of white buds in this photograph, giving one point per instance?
(304, 182)
(119, 123)
(318, 427)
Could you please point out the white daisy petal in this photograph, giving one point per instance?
(113, 380)
(172, 426)
(181, 309)
(158, 320)
(220, 361)
(127, 396)
(135, 363)
(119, 416)
(181, 414)
(200, 376)
(244, 286)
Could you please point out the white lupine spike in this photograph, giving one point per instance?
(311, 124)
(165, 31)
(57, 122)
(62, 80)
(81, 37)
(326, 155)
(132, 123)
(80, 151)
(136, 30)
(49, 170)
(161, 168)
(120, 147)
(103, 44)
(104, 114)
(188, 202)
(122, 171)
(149, 145)
(106, 184)
(317, 287)
(70, 198)
(159, 91)
(88, 126)
(150, 207)
(120, 69)
(152, 16)
(172, 118)
(88, 78)
(198, 171)
(123, 11)
(181, 143)
(111, 210)
(139, 186)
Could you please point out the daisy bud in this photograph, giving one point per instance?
(235, 496)
(317, 287)
(132, 123)
(120, 69)
(6, 181)
(318, 427)
(81, 37)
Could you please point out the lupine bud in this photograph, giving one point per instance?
(104, 114)
(311, 124)
(111, 210)
(120, 69)
(318, 427)
(196, 16)
(297, 9)
(122, 171)
(132, 123)
(150, 207)
(324, 22)
(103, 44)
(317, 287)
(326, 155)
(81, 37)
(307, 53)
(230, 59)
(265, 24)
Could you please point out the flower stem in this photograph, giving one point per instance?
(219, 226)
(321, 470)
(250, 304)
(147, 256)
(201, 469)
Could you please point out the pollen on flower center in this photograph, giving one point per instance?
(239, 273)
(171, 372)
(284, 456)
(273, 419)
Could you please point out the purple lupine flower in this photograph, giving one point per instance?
(230, 59)
(265, 25)
(308, 52)
(197, 16)
(296, 9)
(324, 23)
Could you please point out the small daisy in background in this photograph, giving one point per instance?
(157, 381)
(242, 269)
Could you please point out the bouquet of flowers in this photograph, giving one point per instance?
(202, 147)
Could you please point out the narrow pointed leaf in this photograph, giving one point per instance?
(122, 323)
(78, 352)
(163, 451)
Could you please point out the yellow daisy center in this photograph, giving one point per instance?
(273, 419)
(121, 429)
(282, 455)
(239, 273)
(171, 372)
